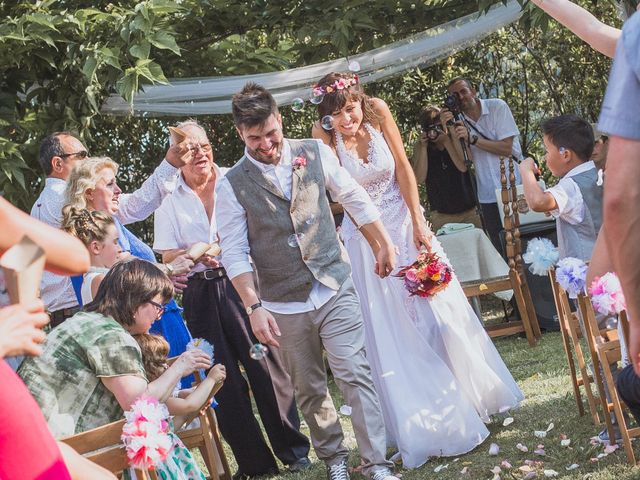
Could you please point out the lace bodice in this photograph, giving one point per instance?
(378, 178)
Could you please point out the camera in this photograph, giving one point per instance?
(452, 103)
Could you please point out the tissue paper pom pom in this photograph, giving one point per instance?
(606, 294)
(571, 274)
(146, 433)
(542, 254)
(203, 345)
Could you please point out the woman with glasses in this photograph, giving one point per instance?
(91, 367)
(93, 186)
(438, 162)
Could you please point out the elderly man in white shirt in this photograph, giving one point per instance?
(490, 132)
(272, 205)
(214, 311)
(59, 152)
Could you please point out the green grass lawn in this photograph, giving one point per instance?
(542, 374)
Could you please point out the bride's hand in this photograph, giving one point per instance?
(422, 235)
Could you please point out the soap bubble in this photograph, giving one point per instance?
(354, 66)
(327, 122)
(294, 239)
(297, 105)
(316, 97)
(258, 351)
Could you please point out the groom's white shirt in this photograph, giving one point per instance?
(231, 218)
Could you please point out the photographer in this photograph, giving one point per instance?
(438, 162)
(490, 132)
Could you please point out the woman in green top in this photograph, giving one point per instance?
(91, 367)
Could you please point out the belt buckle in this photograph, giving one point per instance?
(210, 274)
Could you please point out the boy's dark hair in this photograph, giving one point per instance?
(51, 147)
(127, 286)
(570, 132)
(253, 105)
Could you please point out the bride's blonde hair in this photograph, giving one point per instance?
(83, 177)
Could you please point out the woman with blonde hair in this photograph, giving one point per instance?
(92, 185)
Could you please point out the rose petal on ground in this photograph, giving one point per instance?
(456, 459)
(525, 468)
(573, 466)
(611, 448)
(345, 410)
(506, 464)
(530, 475)
(550, 427)
(464, 471)
(540, 433)
(601, 455)
(507, 421)
(540, 451)
(439, 468)
(522, 447)
(494, 449)
(550, 473)
(496, 470)
(565, 443)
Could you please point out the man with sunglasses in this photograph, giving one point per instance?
(438, 162)
(59, 153)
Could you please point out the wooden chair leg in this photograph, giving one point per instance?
(608, 355)
(224, 471)
(522, 306)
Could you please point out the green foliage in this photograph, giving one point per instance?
(59, 60)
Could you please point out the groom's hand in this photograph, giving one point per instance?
(385, 260)
(264, 327)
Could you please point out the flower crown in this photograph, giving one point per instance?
(339, 84)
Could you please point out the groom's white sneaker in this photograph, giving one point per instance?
(338, 471)
(383, 474)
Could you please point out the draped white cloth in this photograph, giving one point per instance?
(212, 95)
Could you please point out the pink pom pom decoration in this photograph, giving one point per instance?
(146, 434)
(606, 294)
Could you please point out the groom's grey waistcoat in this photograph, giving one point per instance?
(286, 273)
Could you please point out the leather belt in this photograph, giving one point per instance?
(210, 274)
(61, 315)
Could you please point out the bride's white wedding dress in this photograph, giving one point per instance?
(437, 373)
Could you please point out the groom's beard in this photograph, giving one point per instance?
(269, 157)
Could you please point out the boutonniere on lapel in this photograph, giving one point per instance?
(299, 162)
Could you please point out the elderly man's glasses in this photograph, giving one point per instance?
(205, 147)
(82, 154)
(159, 307)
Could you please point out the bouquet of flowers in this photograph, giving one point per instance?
(606, 294)
(146, 434)
(426, 276)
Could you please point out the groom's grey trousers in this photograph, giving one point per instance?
(336, 326)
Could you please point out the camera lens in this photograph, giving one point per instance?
(432, 133)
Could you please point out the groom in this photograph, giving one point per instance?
(272, 206)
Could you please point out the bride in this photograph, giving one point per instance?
(437, 373)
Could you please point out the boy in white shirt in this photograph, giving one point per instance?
(576, 200)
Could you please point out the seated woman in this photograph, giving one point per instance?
(92, 185)
(91, 368)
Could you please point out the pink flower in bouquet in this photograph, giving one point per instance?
(299, 162)
(340, 84)
(412, 275)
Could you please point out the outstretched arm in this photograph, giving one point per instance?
(583, 24)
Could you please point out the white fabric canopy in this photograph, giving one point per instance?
(212, 95)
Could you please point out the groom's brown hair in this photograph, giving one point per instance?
(253, 105)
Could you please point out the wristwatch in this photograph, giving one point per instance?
(474, 140)
(253, 307)
(169, 268)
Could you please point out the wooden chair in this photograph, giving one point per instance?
(570, 330)
(206, 438)
(515, 280)
(102, 445)
(596, 340)
(608, 354)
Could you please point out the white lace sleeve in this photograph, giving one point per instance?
(138, 205)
